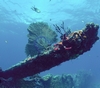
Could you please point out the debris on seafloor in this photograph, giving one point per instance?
(79, 80)
(70, 47)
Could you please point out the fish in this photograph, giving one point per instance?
(35, 9)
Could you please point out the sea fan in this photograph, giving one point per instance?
(39, 37)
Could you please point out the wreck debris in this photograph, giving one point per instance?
(80, 41)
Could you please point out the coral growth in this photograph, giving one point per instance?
(80, 80)
(40, 36)
(83, 80)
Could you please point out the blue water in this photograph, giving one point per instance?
(16, 15)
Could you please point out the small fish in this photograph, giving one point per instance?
(82, 21)
(35, 9)
(6, 41)
(50, 19)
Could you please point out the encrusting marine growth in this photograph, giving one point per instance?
(70, 47)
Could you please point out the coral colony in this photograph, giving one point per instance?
(44, 52)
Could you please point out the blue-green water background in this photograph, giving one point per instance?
(16, 15)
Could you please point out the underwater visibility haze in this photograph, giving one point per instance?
(21, 19)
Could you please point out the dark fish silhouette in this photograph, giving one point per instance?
(35, 9)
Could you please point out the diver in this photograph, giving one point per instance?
(35, 9)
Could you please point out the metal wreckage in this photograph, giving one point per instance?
(70, 46)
